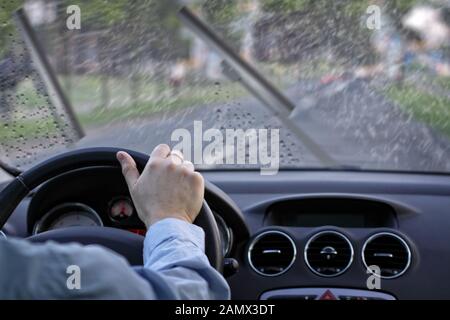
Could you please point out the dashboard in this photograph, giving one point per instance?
(313, 234)
(83, 198)
(295, 235)
(99, 197)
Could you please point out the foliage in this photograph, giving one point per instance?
(318, 24)
(352, 6)
(100, 13)
(221, 14)
(427, 107)
(140, 27)
(7, 26)
(284, 5)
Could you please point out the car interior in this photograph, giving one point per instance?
(355, 229)
(296, 235)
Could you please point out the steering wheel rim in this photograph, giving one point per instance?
(19, 187)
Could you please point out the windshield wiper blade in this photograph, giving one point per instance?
(9, 169)
(61, 103)
(254, 82)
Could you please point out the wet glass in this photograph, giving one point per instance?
(370, 79)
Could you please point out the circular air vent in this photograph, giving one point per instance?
(328, 253)
(271, 253)
(388, 252)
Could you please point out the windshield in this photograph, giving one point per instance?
(343, 84)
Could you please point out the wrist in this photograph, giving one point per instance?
(152, 220)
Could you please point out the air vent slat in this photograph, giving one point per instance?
(271, 253)
(389, 252)
(328, 253)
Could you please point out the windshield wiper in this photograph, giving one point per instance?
(9, 169)
(254, 82)
(55, 92)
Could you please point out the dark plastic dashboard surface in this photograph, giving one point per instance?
(95, 189)
(340, 211)
(422, 213)
(418, 206)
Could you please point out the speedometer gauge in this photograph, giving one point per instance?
(74, 219)
(68, 215)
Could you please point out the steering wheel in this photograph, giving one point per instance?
(121, 241)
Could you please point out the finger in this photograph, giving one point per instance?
(129, 169)
(177, 153)
(175, 159)
(176, 156)
(160, 151)
(197, 183)
(197, 179)
(189, 165)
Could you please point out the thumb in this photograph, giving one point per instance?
(129, 169)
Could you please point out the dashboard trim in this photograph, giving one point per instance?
(315, 236)
(259, 236)
(317, 293)
(38, 226)
(384, 233)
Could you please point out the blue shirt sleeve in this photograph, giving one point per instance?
(175, 267)
(67, 271)
(174, 254)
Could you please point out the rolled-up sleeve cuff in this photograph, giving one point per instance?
(173, 229)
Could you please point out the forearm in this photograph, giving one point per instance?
(174, 249)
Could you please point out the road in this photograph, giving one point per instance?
(355, 125)
(364, 127)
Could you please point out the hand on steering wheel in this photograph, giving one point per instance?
(167, 188)
(121, 241)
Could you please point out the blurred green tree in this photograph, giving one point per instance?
(221, 15)
(319, 24)
(7, 27)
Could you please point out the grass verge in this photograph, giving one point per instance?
(431, 109)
